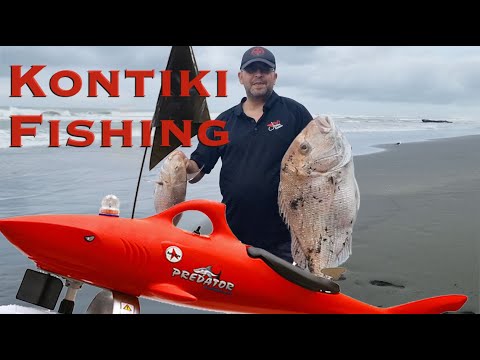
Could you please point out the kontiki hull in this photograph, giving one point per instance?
(152, 258)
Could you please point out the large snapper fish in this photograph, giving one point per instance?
(319, 196)
(171, 186)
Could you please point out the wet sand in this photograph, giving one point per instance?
(416, 233)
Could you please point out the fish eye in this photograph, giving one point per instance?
(305, 147)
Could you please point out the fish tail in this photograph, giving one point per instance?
(432, 305)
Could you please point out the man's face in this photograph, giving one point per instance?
(258, 79)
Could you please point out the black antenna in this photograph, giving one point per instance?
(138, 183)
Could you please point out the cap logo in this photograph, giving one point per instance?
(257, 51)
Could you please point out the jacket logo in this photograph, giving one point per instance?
(274, 125)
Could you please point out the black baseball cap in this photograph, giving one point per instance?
(258, 53)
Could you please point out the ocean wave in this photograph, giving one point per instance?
(376, 126)
(42, 138)
(77, 114)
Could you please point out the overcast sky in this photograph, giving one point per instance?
(435, 82)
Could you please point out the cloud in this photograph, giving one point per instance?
(345, 79)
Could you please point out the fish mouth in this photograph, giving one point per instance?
(292, 170)
(296, 171)
(324, 124)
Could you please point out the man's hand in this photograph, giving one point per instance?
(192, 168)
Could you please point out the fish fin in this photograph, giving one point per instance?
(172, 292)
(345, 253)
(281, 208)
(357, 194)
(297, 253)
(334, 273)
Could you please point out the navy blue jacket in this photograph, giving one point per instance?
(250, 172)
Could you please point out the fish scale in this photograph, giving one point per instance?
(319, 196)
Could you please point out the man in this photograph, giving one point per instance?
(260, 130)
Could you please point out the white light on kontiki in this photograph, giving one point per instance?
(110, 206)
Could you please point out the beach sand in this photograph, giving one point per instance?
(415, 235)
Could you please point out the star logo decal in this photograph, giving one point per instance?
(173, 254)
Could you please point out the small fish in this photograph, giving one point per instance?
(319, 197)
(171, 186)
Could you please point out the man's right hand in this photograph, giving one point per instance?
(192, 168)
